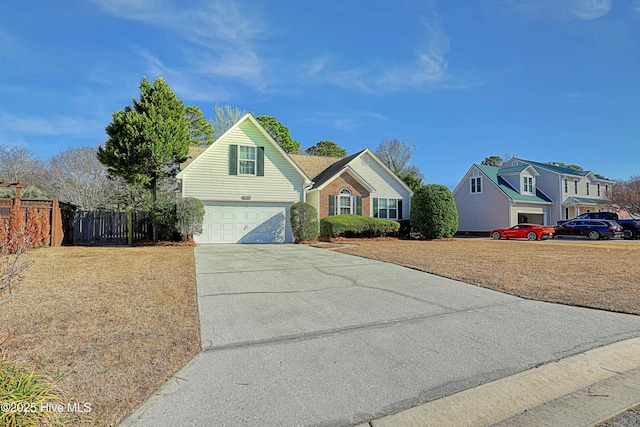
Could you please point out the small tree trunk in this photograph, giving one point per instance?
(154, 194)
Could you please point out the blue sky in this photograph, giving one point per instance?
(545, 80)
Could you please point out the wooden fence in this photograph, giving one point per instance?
(55, 212)
(108, 228)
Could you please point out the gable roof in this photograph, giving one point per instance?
(563, 170)
(343, 165)
(516, 170)
(247, 117)
(491, 173)
(333, 169)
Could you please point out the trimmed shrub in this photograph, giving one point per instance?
(405, 228)
(433, 212)
(189, 216)
(304, 222)
(163, 218)
(349, 225)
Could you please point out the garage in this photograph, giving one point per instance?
(245, 222)
(531, 218)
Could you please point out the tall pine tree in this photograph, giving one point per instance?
(149, 139)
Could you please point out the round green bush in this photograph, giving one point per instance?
(433, 212)
(304, 222)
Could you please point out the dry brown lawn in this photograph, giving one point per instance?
(110, 324)
(598, 274)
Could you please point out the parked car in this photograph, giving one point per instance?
(630, 227)
(594, 229)
(523, 231)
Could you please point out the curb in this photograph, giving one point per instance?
(582, 390)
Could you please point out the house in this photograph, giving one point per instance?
(521, 190)
(358, 184)
(247, 184)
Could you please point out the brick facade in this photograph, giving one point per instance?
(338, 184)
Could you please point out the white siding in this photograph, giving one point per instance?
(207, 178)
(313, 199)
(384, 183)
(483, 211)
(551, 185)
(514, 181)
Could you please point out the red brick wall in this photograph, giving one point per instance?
(334, 187)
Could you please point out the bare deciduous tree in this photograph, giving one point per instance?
(76, 176)
(225, 116)
(395, 154)
(18, 163)
(626, 194)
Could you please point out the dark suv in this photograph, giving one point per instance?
(594, 229)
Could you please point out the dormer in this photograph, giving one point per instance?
(521, 177)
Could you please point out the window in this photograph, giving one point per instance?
(387, 208)
(528, 184)
(587, 188)
(476, 185)
(606, 190)
(566, 213)
(566, 185)
(575, 186)
(247, 160)
(345, 202)
(598, 189)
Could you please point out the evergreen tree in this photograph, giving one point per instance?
(149, 139)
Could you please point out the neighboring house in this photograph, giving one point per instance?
(526, 191)
(358, 184)
(247, 184)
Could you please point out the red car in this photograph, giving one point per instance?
(523, 231)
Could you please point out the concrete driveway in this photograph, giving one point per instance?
(294, 335)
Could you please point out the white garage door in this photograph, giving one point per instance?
(245, 222)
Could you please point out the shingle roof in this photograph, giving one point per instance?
(194, 151)
(581, 201)
(492, 173)
(513, 169)
(329, 172)
(558, 169)
(313, 165)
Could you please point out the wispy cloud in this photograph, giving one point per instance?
(555, 10)
(426, 69)
(223, 35)
(430, 67)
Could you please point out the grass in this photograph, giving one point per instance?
(108, 324)
(599, 274)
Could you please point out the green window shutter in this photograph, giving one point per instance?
(233, 160)
(375, 207)
(399, 208)
(332, 205)
(358, 205)
(260, 165)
